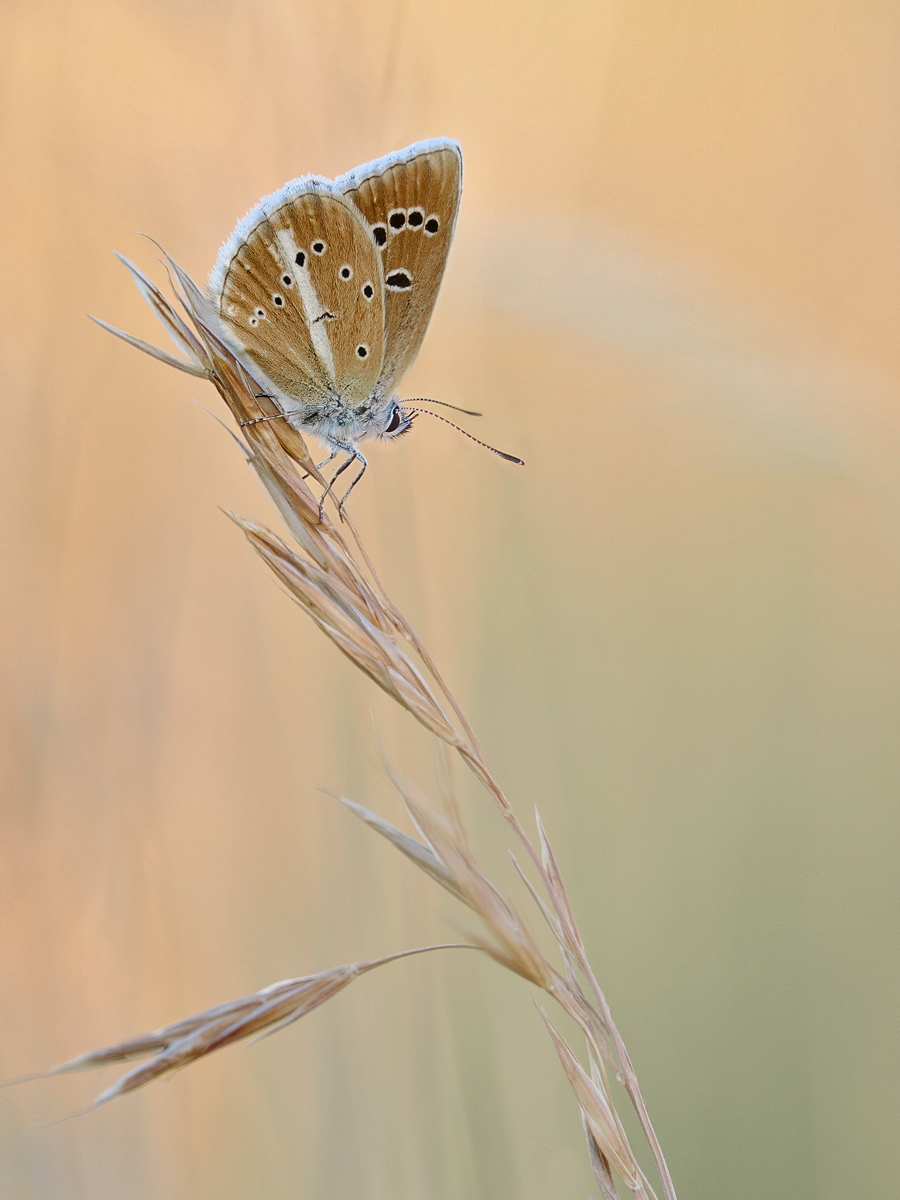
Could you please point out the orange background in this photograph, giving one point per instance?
(675, 292)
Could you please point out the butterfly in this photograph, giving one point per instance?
(326, 289)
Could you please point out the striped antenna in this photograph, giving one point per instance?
(509, 457)
(423, 400)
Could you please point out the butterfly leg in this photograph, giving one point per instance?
(362, 472)
(260, 420)
(323, 463)
(353, 454)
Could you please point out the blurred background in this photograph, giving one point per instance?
(675, 292)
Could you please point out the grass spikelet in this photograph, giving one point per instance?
(184, 1042)
(600, 1116)
(423, 856)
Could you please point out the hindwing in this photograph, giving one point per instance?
(299, 287)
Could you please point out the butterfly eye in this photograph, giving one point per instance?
(346, 271)
(397, 218)
(394, 423)
(415, 217)
(368, 291)
(379, 233)
(318, 248)
(432, 225)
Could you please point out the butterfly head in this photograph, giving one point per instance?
(396, 422)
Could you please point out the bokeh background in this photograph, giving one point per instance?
(675, 292)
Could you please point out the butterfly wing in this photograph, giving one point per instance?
(410, 199)
(299, 289)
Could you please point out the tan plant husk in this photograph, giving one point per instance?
(337, 586)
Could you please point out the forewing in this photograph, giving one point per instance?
(299, 287)
(411, 200)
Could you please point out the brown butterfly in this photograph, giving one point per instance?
(327, 286)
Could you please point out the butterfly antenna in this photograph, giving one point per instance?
(423, 400)
(509, 457)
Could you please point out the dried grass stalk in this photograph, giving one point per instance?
(262, 1014)
(337, 586)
